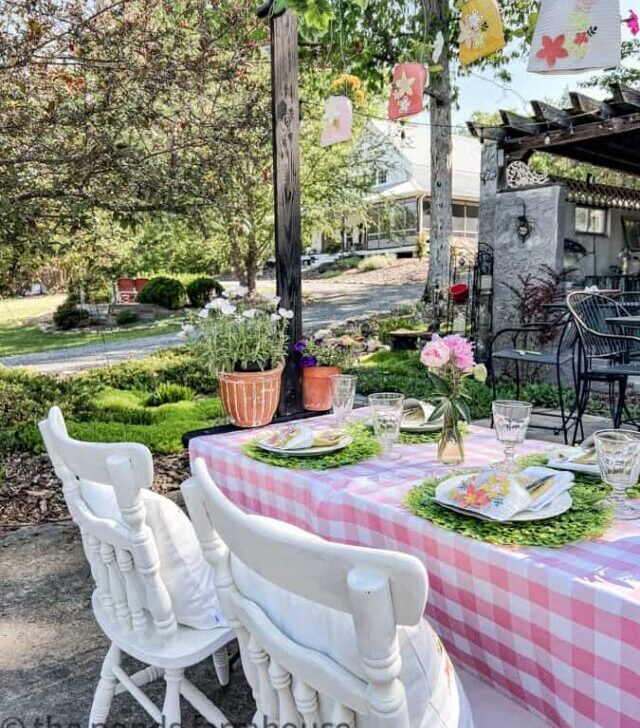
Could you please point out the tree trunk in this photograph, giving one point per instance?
(251, 265)
(441, 175)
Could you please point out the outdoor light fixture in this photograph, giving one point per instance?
(524, 226)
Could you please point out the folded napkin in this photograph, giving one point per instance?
(416, 412)
(500, 496)
(574, 455)
(294, 437)
(327, 438)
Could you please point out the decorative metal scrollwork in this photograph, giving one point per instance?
(520, 174)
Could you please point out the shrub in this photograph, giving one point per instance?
(163, 291)
(69, 316)
(169, 393)
(126, 317)
(200, 289)
(374, 262)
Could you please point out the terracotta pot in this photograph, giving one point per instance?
(316, 387)
(140, 283)
(251, 398)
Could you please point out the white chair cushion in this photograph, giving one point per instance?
(185, 573)
(434, 695)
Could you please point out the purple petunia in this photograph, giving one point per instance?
(308, 362)
(300, 346)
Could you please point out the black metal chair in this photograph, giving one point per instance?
(556, 356)
(605, 356)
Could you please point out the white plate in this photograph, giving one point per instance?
(574, 467)
(307, 451)
(556, 508)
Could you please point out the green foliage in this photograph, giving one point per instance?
(200, 290)
(169, 393)
(375, 262)
(363, 447)
(124, 416)
(588, 518)
(163, 291)
(69, 316)
(389, 371)
(252, 339)
(126, 317)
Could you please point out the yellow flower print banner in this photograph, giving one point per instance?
(573, 36)
(481, 30)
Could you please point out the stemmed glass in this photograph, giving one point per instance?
(386, 411)
(618, 453)
(343, 394)
(510, 421)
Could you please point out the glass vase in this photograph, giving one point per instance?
(451, 445)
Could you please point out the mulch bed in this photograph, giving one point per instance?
(31, 494)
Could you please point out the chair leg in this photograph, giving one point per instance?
(582, 407)
(221, 665)
(563, 419)
(622, 391)
(106, 688)
(171, 709)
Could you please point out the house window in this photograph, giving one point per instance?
(592, 220)
(393, 224)
(381, 177)
(464, 218)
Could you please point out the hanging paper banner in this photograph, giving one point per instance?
(338, 121)
(633, 23)
(481, 30)
(409, 82)
(573, 36)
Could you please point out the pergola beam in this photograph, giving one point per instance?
(286, 186)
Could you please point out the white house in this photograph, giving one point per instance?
(400, 209)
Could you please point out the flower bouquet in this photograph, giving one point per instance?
(322, 358)
(451, 365)
(244, 341)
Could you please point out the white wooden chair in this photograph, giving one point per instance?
(131, 602)
(328, 633)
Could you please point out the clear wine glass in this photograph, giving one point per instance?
(510, 421)
(343, 394)
(618, 453)
(386, 411)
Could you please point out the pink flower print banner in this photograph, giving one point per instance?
(573, 36)
(337, 121)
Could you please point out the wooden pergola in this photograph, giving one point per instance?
(604, 133)
(286, 183)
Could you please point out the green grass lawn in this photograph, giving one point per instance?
(20, 335)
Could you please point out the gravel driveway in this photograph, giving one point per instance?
(329, 302)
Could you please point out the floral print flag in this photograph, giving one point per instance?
(573, 36)
(337, 121)
(481, 30)
(409, 82)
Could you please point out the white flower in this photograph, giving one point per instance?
(225, 294)
(228, 309)
(203, 313)
(273, 300)
(286, 313)
(275, 317)
(250, 313)
(241, 291)
(217, 304)
(187, 328)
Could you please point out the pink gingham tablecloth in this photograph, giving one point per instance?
(557, 629)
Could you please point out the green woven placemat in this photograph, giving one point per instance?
(588, 517)
(363, 447)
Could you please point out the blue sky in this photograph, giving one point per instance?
(480, 92)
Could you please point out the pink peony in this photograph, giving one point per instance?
(435, 354)
(461, 352)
